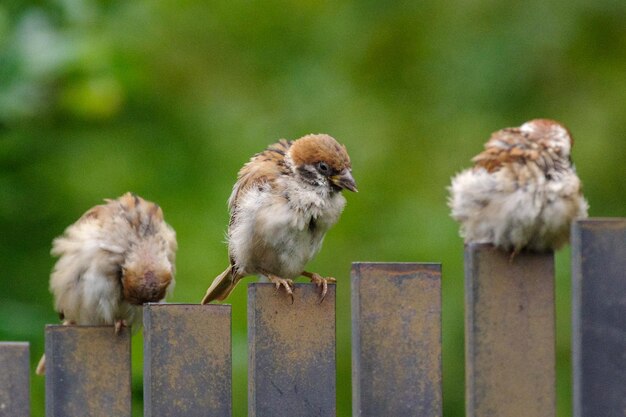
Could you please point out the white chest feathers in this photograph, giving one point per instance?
(278, 230)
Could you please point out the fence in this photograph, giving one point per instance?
(396, 344)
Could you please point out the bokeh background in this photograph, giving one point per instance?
(169, 98)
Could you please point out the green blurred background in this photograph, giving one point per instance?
(169, 98)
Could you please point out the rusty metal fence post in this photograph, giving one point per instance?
(291, 370)
(14, 379)
(509, 333)
(187, 360)
(87, 371)
(599, 317)
(396, 339)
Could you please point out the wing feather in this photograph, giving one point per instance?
(508, 146)
(262, 168)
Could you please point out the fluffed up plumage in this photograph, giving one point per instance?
(116, 257)
(523, 191)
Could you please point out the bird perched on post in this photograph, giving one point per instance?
(283, 203)
(523, 191)
(116, 257)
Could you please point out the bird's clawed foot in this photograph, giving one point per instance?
(320, 282)
(281, 282)
(119, 324)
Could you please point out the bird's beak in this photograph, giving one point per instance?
(345, 181)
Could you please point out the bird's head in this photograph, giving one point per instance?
(321, 161)
(147, 273)
(554, 134)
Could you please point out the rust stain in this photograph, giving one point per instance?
(88, 371)
(510, 334)
(289, 327)
(187, 360)
(292, 351)
(398, 268)
(397, 339)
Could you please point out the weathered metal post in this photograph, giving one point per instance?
(291, 370)
(599, 317)
(509, 333)
(187, 360)
(396, 339)
(87, 371)
(14, 379)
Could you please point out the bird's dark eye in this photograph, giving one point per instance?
(323, 167)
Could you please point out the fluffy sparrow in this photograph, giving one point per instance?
(116, 257)
(523, 191)
(283, 203)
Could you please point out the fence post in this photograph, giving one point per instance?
(396, 339)
(509, 333)
(187, 360)
(87, 371)
(14, 379)
(291, 370)
(599, 317)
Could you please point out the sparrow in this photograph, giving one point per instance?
(284, 201)
(116, 257)
(523, 191)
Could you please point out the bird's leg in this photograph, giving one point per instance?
(319, 281)
(514, 253)
(119, 324)
(281, 282)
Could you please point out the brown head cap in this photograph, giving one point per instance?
(311, 149)
(548, 128)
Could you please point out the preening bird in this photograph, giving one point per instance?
(523, 191)
(116, 257)
(283, 203)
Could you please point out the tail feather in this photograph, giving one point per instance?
(222, 286)
(41, 366)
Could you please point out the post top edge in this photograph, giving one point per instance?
(359, 268)
(161, 305)
(81, 326)
(14, 344)
(489, 248)
(600, 222)
(296, 284)
(359, 263)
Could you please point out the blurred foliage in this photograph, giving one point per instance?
(169, 98)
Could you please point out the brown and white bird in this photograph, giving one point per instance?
(116, 257)
(283, 203)
(523, 191)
